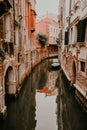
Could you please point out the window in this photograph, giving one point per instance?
(82, 66)
(75, 33)
(11, 49)
(71, 35)
(7, 27)
(66, 37)
(81, 31)
(50, 38)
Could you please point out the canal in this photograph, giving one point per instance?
(45, 103)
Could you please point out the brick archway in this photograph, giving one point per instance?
(9, 81)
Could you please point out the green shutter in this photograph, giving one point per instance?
(66, 38)
(81, 31)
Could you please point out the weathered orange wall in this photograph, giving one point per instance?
(30, 18)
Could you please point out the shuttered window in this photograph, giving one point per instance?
(81, 31)
(66, 38)
(82, 66)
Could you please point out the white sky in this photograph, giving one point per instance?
(42, 6)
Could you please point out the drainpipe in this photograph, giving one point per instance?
(32, 31)
(69, 20)
(14, 18)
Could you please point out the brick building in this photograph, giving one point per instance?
(17, 25)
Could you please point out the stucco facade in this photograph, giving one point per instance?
(74, 46)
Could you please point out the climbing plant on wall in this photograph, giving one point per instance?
(42, 39)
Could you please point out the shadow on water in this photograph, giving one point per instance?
(73, 118)
(21, 112)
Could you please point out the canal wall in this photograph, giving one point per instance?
(79, 87)
(13, 76)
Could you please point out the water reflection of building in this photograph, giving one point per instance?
(52, 76)
(50, 86)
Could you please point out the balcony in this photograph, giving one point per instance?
(81, 44)
(78, 45)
